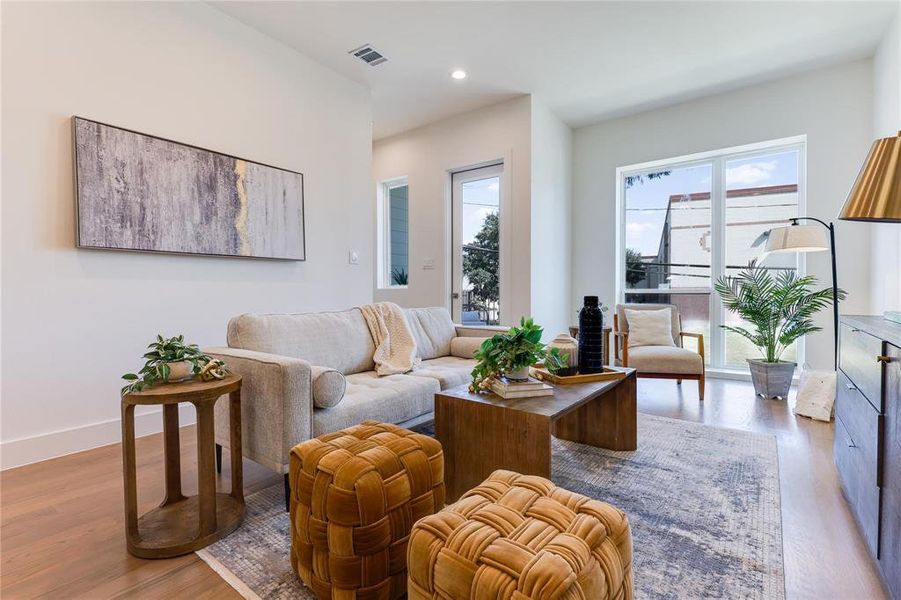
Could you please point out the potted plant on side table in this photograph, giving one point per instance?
(780, 309)
(511, 354)
(171, 360)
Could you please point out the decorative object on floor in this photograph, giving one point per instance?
(183, 524)
(518, 537)
(539, 372)
(780, 310)
(703, 506)
(567, 346)
(355, 494)
(529, 387)
(481, 433)
(816, 394)
(671, 361)
(806, 238)
(591, 336)
(171, 360)
(867, 443)
(511, 354)
(141, 192)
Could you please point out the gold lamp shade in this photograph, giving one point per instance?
(876, 195)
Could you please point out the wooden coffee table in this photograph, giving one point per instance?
(481, 433)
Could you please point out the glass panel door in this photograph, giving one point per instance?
(761, 193)
(668, 245)
(476, 274)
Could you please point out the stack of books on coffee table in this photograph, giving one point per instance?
(530, 388)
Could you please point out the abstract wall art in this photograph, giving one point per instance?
(140, 192)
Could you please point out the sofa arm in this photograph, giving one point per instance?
(479, 330)
(276, 404)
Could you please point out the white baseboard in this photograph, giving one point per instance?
(24, 451)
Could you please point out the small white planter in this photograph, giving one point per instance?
(521, 374)
(180, 371)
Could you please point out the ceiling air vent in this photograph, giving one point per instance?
(368, 55)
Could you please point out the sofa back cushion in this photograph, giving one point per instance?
(339, 340)
(432, 329)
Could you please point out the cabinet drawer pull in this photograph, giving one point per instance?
(884, 359)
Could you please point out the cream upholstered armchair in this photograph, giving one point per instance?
(654, 350)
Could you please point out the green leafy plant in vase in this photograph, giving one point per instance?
(778, 309)
(511, 354)
(169, 360)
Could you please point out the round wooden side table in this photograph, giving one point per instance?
(184, 524)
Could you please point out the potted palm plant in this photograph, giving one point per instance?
(778, 309)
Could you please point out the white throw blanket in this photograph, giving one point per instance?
(395, 348)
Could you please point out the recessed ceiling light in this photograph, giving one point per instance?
(459, 74)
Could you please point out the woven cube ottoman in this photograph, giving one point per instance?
(516, 537)
(355, 495)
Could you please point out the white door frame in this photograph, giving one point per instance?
(458, 177)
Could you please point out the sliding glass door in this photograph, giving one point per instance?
(686, 222)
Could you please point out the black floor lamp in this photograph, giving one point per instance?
(809, 238)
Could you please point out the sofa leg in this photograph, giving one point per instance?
(287, 494)
(678, 382)
(701, 388)
(219, 459)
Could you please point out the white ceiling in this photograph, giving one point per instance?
(588, 61)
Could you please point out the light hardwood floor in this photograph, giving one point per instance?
(62, 520)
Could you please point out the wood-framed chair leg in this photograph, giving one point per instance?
(219, 458)
(701, 388)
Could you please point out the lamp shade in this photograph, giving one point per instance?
(797, 238)
(876, 195)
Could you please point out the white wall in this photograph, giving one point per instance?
(75, 320)
(885, 243)
(832, 106)
(426, 156)
(551, 221)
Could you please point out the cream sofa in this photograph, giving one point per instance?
(281, 357)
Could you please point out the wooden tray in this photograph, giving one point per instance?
(610, 373)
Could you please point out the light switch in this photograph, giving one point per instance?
(353, 257)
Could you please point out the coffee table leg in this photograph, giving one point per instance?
(128, 473)
(172, 454)
(234, 424)
(206, 467)
(609, 421)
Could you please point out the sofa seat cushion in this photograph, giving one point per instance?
(432, 329)
(392, 399)
(448, 371)
(666, 359)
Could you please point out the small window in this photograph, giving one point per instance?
(394, 230)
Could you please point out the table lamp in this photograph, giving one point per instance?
(876, 195)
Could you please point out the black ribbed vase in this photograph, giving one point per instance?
(591, 337)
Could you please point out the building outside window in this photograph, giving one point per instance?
(687, 221)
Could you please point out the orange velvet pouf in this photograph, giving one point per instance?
(355, 495)
(518, 537)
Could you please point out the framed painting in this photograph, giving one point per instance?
(144, 193)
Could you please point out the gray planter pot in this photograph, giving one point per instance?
(771, 380)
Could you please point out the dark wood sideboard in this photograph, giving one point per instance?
(867, 445)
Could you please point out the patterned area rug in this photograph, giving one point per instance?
(703, 504)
